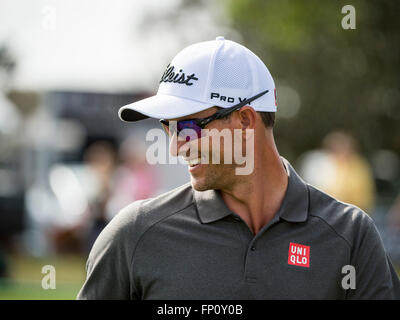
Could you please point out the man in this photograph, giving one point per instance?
(259, 234)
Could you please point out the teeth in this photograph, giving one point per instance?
(193, 162)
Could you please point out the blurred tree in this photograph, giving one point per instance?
(346, 79)
(327, 77)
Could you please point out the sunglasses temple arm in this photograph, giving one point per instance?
(241, 104)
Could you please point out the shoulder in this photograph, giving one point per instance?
(346, 220)
(123, 232)
(136, 218)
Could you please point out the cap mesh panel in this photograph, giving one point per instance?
(230, 71)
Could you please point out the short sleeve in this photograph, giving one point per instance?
(109, 263)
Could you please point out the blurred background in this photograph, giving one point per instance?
(68, 164)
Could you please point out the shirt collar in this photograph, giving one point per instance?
(295, 204)
(211, 207)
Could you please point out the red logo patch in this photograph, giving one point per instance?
(299, 255)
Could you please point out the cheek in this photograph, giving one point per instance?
(217, 147)
(202, 146)
(222, 150)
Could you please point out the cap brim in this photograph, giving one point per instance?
(161, 106)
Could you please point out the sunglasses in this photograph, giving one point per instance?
(193, 127)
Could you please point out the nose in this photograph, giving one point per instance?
(178, 147)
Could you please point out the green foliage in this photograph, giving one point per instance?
(346, 79)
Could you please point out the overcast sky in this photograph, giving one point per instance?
(94, 45)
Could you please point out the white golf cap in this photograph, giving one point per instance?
(206, 74)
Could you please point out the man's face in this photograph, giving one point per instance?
(206, 174)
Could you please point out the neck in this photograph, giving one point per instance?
(257, 197)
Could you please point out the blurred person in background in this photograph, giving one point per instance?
(341, 171)
(393, 218)
(101, 159)
(10, 131)
(134, 178)
(392, 230)
(98, 171)
(111, 179)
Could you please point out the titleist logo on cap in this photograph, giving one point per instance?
(177, 77)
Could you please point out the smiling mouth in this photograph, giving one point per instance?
(194, 162)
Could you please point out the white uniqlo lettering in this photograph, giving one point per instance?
(299, 255)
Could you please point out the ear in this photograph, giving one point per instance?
(247, 117)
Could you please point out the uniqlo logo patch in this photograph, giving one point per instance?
(299, 255)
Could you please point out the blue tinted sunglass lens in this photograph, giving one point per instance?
(190, 130)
